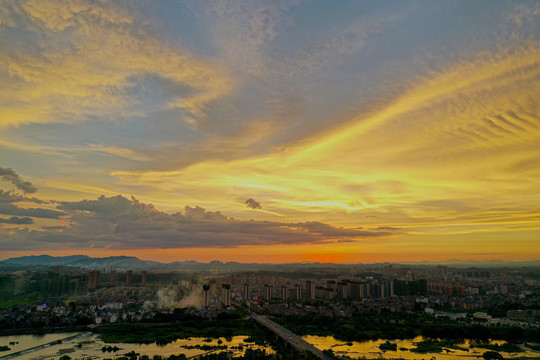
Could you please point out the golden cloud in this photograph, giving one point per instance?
(82, 59)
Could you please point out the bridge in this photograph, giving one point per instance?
(289, 337)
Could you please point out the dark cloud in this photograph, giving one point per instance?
(251, 203)
(10, 196)
(59, 227)
(17, 220)
(122, 223)
(8, 174)
(328, 230)
(10, 209)
(198, 213)
(108, 206)
(388, 228)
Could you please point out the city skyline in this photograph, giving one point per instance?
(271, 132)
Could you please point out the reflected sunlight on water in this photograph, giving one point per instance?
(370, 349)
(91, 346)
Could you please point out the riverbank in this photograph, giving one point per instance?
(45, 330)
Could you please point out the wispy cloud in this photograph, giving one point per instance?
(86, 58)
(351, 120)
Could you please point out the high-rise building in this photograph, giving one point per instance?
(143, 278)
(283, 292)
(422, 287)
(112, 280)
(267, 292)
(319, 292)
(331, 284)
(341, 290)
(388, 288)
(310, 289)
(297, 292)
(246, 292)
(367, 289)
(129, 277)
(355, 290)
(206, 295)
(93, 279)
(226, 295)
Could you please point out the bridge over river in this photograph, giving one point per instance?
(289, 337)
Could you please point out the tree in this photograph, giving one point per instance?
(492, 355)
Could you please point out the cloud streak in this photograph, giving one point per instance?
(17, 220)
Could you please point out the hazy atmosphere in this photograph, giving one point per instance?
(270, 131)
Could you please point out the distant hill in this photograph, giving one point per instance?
(133, 263)
(44, 260)
(82, 261)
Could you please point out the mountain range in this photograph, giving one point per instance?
(134, 263)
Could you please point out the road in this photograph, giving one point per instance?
(289, 337)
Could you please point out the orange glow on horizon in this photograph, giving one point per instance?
(274, 255)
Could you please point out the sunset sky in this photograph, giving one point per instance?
(270, 131)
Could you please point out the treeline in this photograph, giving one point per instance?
(479, 332)
(249, 354)
(387, 325)
(166, 328)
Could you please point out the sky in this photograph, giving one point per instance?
(270, 131)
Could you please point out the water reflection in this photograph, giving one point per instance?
(370, 349)
(88, 345)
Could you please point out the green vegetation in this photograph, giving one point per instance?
(4, 348)
(400, 325)
(428, 346)
(492, 355)
(250, 354)
(388, 346)
(506, 347)
(438, 345)
(366, 326)
(110, 348)
(181, 325)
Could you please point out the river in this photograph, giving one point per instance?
(88, 345)
(370, 349)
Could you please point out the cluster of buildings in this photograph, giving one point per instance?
(287, 290)
(59, 315)
(440, 291)
(94, 279)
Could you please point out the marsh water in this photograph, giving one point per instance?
(89, 345)
(370, 349)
